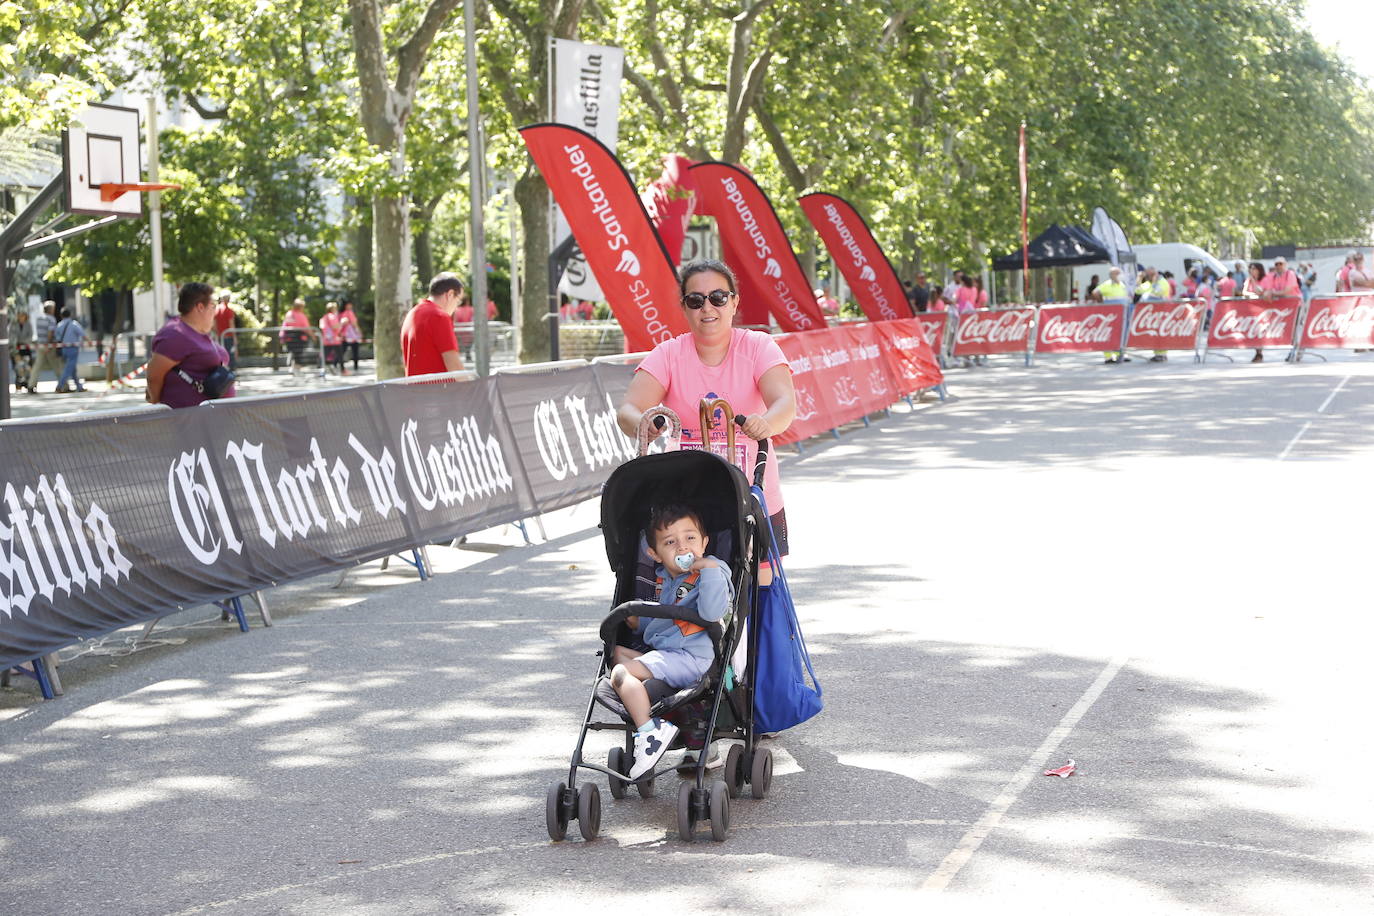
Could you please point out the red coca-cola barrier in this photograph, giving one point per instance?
(933, 326)
(1247, 323)
(845, 373)
(988, 331)
(1166, 325)
(1079, 328)
(1338, 322)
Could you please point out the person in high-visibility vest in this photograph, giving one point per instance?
(1153, 287)
(1114, 292)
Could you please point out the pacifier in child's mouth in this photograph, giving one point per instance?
(684, 561)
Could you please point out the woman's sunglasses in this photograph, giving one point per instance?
(717, 297)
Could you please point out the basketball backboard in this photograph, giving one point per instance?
(102, 147)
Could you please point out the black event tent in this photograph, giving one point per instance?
(1057, 246)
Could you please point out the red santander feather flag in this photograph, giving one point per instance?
(749, 229)
(859, 256)
(610, 224)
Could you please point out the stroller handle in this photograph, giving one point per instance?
(760, 460)
(651, 425)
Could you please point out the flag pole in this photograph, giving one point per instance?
(1025, 225)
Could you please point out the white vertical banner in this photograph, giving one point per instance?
(585, 82)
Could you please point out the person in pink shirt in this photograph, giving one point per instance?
(715, 359)
(351, 331)
(1226, 287)
(295, 332)
(1280, 283)
(1343, 275)
(1357, 279)
(331, 336)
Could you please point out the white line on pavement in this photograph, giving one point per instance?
(1308, 425)
(1332, 396)
(959, 857)
(1294, 441)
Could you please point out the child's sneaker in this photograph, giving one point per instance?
(650, 746)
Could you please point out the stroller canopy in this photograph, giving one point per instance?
(698, 479)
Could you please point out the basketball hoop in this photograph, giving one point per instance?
(114, 190)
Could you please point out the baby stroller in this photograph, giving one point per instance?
(22, 358)
(720, 705)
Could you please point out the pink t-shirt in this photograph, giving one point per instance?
(329, 329)
(965, 299)
(676, 366)
(1285, 284)
(1226, 287)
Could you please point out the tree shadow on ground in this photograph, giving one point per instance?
(333, 768)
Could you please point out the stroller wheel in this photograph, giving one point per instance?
(647, 788)
(686, 814)
(555, 812)
(589, 810)
(720, 810)
(615, 761)
(734, 770)
(760, 772)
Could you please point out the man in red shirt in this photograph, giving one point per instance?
(428, 344)
(224, 320)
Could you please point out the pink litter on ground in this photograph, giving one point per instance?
(1064, 771)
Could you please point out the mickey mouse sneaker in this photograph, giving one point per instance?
(650, 746)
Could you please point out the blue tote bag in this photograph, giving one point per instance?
(782, 695)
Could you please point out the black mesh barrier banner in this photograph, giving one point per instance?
(614, 379)
(564, 426)
(457, 465)
(108, 521)
(308, 483)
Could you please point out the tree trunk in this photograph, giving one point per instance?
(424, 255)
(808, 262)
(363, 282)
(532, 194)
(391, 239)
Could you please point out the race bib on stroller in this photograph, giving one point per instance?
(719, 445)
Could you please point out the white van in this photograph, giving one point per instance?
(1171, 256)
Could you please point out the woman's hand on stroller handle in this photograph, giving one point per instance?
(760, 462)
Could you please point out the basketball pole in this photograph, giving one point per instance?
(155, 211)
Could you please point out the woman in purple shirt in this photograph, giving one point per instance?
(184, 345)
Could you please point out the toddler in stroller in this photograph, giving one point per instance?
(679, 652)
(701, 692)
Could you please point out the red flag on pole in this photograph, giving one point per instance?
(612, 229)
(1025, 224)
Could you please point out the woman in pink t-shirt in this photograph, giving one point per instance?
(966, 296)
(746, 368)
(295, 333)
(331, 337)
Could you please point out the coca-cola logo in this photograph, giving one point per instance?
(1171, 320)
(932, 330)
(1266, 324)
(1340, 323)
(1093, 328)
(994, 327)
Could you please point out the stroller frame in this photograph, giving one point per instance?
(699, 801)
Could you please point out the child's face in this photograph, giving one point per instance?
(682, 536)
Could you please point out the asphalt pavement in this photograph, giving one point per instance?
(1157, 571)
